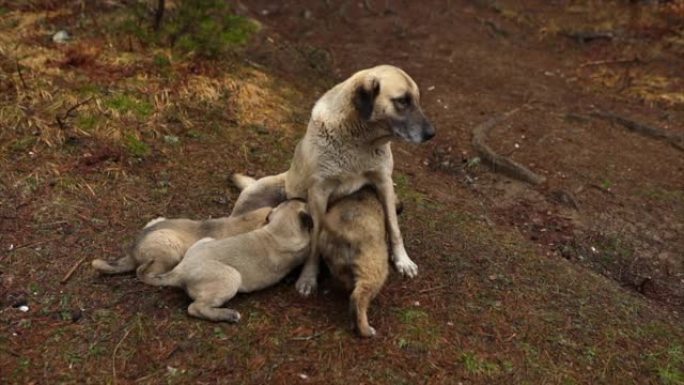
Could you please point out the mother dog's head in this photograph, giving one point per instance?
(386, 94)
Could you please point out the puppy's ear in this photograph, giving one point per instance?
(305, 220)
(364, 97)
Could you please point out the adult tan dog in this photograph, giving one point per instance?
(163, 242)
(214, 271)
(346, 146)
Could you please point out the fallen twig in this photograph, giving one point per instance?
(431, 289)
(601, 189)
(676, 140)
(21, 76)
(71, 271)
(35, 243)
(501, 163)
(587, 36)
(116, 348)
(61, 120)
(307, 338)
(613, 61)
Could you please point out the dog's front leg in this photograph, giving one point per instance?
(404, 265)
(318, 196)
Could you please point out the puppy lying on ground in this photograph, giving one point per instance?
(353, 244)
(163, 242)
(214, 271)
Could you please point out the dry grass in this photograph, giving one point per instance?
(157, 136)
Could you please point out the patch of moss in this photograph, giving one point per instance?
(136, 147)
(86, 122)
(475, 365)
(23, 144)
(207, 28)
(126, 103)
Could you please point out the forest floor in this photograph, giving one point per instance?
(576, 280)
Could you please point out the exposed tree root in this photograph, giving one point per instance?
(676, 140)
(498, 162)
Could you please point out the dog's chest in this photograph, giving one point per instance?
(352, 162)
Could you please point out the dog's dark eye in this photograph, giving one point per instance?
(402, 102)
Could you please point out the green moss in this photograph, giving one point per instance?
(23, 144)
(476, 365)
(207, 28)
(126, 103)
(136, 147)
(86, 122)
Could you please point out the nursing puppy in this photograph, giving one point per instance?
(353, 244)
(214, 271)
(163, 242)
(346, 146)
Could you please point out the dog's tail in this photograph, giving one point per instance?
(122, 265)
(167, 279)
(242, 181)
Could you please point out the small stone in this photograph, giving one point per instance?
(61, 37)
(24, 308)
(303, 376)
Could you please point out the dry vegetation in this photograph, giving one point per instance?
(121, 124)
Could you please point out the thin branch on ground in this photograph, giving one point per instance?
(587, 36)
(71, 271)
(498, 162)
(613, 61)
(675, 140)
(62, 120)
(116, 349)
(21, 76)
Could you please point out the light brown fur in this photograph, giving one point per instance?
(214, 271)
(346, 146)
(163, 242)
(353, 244)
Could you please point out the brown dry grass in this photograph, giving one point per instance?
(158, 137)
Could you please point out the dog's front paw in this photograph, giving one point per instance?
(368, 333)
(306, 285)
(404, 265)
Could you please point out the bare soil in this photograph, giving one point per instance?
(579, 280)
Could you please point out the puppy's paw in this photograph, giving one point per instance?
(368, 333)
(306, 285)
(404, 265)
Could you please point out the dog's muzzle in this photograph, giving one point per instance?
(427, 132)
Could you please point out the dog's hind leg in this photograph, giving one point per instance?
(218, 284)
(268, 191)
(122, 265)
(359, 301)
(242, 181)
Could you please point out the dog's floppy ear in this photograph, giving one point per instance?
(364, 96)
(305, 220)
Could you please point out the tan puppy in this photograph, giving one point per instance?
(353, 244)
(213, 271)
(346, 146)
(164, 241)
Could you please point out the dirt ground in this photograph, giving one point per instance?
(578, 280)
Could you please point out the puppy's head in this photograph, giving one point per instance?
(388, 95)
(291, 215)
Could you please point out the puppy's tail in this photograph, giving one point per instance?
(242, 181)
(166, 279)
(123, 265)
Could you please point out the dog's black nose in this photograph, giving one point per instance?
(428, 132)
